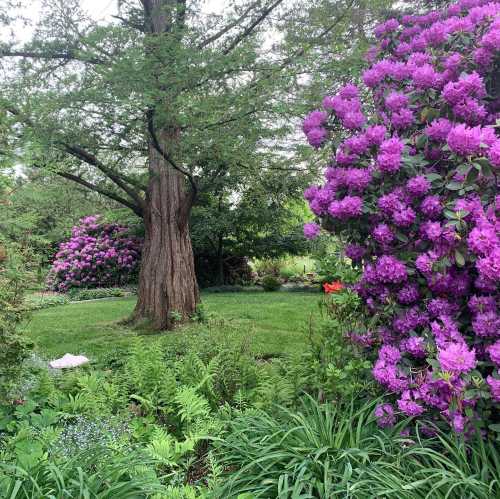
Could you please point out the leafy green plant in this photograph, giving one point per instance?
(99, 474)
(76, 294)
(39, 302)
(270, 283)
(312, 451)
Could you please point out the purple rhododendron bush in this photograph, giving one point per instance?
(97, 255)
(412, 188)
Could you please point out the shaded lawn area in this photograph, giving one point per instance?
(275, 322)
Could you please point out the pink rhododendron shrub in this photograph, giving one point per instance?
(412, 188)
(97, 255)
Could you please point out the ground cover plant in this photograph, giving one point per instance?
(414, 192)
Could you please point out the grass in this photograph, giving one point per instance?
(276, 323)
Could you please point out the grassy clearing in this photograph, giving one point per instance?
(274, 322)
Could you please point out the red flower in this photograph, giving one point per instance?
(333, 287)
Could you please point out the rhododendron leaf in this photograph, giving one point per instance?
(402, 237)
(459, 258)
(431, 177)
(472, 176)
(454, 186)
(421, 141)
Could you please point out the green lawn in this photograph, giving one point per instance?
(275, 322)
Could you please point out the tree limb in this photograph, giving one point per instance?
(227, 28)
(79, 180)
(248, 31)
(90, 159)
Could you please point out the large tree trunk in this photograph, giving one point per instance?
(168, 291)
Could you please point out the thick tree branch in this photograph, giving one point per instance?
(90, 159)
(79, 180)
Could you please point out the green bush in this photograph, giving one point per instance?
(76, 294)
(40, 302)
(270, 283)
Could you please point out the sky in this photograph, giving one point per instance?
(100, 10)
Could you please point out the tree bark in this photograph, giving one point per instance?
(168, 292)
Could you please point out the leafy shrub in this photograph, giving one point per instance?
(97, 255)
(269, 266)
(95, 294)
(39, 302)
(415, 194)
(334, 450)
(270, 283)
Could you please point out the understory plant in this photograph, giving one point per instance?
(412, 188)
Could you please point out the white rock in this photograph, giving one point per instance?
(68, 360)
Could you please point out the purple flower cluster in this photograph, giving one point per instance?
(97, 255)
(415, 192)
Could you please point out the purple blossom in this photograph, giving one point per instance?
(494, 154)
(408, 294)
(311, 230)
(348, 207)
(375, 134)
(390, 270)
(314, 119)
(396, 100)
(355, 252)
(431, 207)
(494, 384)
(456, 358)
(418, 186)
(464, 140)
(383, 234)
(487, 324)
(438, 129)
(404, 217)
(425, 77)
(408, 406)
(494, 352)
(385, 415)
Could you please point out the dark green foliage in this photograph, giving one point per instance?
(270, 283)
(221, 270)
